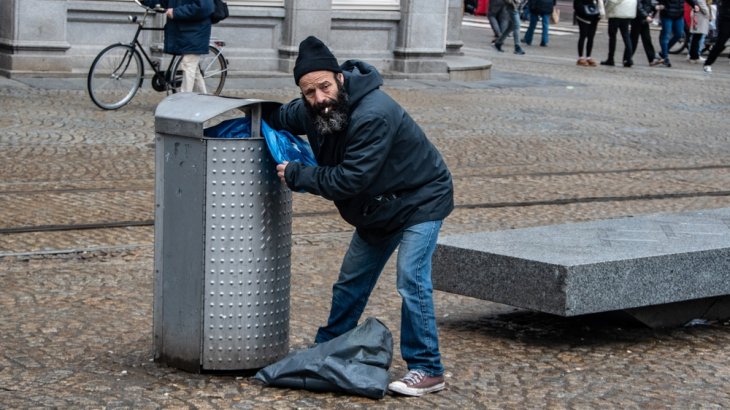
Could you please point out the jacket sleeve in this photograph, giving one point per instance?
(643, 9)
(195, 10)
(691, 2)
(288, 117)
(366, 152)
(703, 7)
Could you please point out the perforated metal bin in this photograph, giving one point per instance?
(222, 241)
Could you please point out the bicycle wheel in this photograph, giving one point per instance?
(212, 66)
(115, 76)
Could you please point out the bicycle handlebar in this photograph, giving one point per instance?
(157, 7)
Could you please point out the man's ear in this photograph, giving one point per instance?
(341, 77)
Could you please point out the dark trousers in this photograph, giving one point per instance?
(623, 26)
(723, 34)
(695, 48)
(640, 27)
(587, 32)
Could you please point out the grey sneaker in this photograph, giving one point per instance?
(416, 383)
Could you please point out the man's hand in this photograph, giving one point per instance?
(281, 171)
(168, 13)
(649, 19)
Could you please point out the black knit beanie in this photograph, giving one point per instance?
(314, 56)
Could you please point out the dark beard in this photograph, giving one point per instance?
(338, 117)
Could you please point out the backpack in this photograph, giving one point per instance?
(220, 13)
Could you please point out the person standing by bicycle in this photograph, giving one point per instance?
(187, 33)
(672, 14)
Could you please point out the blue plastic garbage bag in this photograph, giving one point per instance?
(282, 145)
(286, 147)
(355, 363)
(235, 128)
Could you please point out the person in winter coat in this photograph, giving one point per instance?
(514, 27)
(587, 13)
(672, 14)
(388, 181)
(699, 26)
(539, 9)
(620, 13)
(187, 32)
(723, 34)
(640, 27)
(498, 17)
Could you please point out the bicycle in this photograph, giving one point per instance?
(118, 71)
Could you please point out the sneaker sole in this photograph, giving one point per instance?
(401, 388)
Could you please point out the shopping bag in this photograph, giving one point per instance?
(555, 16)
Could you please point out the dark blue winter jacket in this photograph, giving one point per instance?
(383, 152)
(188, 32)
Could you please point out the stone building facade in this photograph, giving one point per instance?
(402, 38)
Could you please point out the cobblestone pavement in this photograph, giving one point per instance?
(543, 142)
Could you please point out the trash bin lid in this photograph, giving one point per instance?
(184, 114)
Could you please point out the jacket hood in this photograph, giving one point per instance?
(360, 79)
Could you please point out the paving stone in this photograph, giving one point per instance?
(620, 142)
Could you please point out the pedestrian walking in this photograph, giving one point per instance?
(513, 27)
(620, 13)
(587, 13)
(640, 27)
(699, 26)
(187, 32)
(723, 34)
(388, 181)
(672, 15)
(539, 9)
(498, 17)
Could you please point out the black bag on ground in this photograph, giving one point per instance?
(354, 363)
(220, 13)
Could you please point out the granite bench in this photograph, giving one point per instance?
(663, 270)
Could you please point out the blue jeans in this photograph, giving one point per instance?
(534, 17)
(514, 27)
(358, 275)
(676, 27)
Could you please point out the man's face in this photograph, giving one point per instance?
(320, 89)
(326, 101)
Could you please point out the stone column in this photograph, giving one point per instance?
(453, 30)
(304, 18)
(421, 42)
(33, 37)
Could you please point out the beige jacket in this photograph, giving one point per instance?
(702, 26)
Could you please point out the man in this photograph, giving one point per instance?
(640, 27)
(187, 32)
(513, 26)
(620, 14)
(387, 180)
(672, 15)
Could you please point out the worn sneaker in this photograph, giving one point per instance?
(707, 68)
(657, 61)
(666, 63)
(416, 383)
(498, 47)
(519, 51)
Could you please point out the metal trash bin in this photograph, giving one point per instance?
(222, 241)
